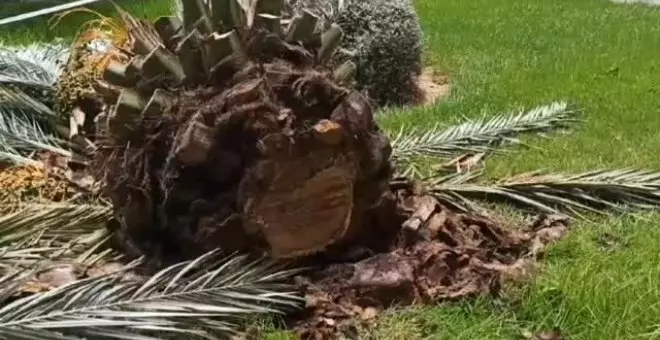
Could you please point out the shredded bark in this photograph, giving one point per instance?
(439, 256)
(247, 165)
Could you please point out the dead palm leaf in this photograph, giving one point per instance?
(592, 192)
(207, 297)
(21, 136)
(144, 37)
(15, 102)
(39, 232)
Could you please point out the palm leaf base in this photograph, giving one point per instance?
(260, 177)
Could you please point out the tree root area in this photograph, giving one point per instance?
(246, 167)
(437, 256)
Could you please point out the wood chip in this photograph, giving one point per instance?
(328, 132)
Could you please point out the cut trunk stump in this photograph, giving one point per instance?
(238, 137)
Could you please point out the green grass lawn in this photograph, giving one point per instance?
(504, 54)
(40, 29)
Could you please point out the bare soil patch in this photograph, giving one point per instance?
(433, 86)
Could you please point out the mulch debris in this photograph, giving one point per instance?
(439, 256)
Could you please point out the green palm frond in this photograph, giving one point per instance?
(207, 297)
(39, 232)
(594, 192)
(484, 135)
(36, 65)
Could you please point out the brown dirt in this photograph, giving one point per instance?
(554, 334)
(433, 87)
(445, 257)
(54, 275)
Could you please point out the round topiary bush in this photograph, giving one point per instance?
(383, 38)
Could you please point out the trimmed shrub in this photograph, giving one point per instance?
(383, 38)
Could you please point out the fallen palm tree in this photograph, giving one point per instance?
(238, 139)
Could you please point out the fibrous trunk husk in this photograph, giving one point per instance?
(238, 138)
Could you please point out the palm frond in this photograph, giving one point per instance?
(483, 135)
(413, 170)
(37, 65)
(39, 232)
(207, 297)
(27, 78)
(31, 334)
(17, 103)
(574, 194)
(437, 185)
(22, 135)
(46, 11)
(62, 221)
